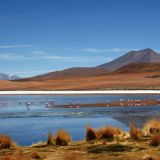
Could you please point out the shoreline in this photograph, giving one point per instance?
(131, 103)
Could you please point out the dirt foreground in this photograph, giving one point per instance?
(101, 150)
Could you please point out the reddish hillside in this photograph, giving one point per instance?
(69, 73)
(138, 67)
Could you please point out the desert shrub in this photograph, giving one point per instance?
(62, 138)
(152, 126)
(155, 140)
(5, 142)
(135, 132)
(90, 134)
(50, 139)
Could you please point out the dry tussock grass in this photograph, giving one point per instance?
(152, 127)
(107, 132)
(155, 140)
(135, 133)
(5, 142)
(90, 134)
(62, 138)
(50, 140)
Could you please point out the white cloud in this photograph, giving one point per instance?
(15, 46)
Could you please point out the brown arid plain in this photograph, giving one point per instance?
(141, 80)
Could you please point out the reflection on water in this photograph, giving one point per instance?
(27, 119)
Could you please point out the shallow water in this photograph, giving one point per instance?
(27, 125)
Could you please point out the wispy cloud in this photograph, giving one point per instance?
(28, 72)
(97, 50)
(15, 46)
(10, 56)
(41, 55)
(100, 50)
(77, 58)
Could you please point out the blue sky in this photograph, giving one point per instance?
(38, 36)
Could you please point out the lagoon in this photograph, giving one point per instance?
(31, 124)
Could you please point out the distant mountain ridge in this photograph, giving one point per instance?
(14, 77)
(142, 56)
(4, 76)
(145, 60)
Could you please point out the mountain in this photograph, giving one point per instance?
(4, 76)
(138, 68)
(73, 72)
(134, 61)
(68, 73)
(142, 56)
(14, 77)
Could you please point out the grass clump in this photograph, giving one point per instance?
(50, 139)
(135, 132)
(102, 133)
(117, 131)
(155, 140)
(5, 142)
(106, 133)
(62, 138)
(152, 126)
(90, 134)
